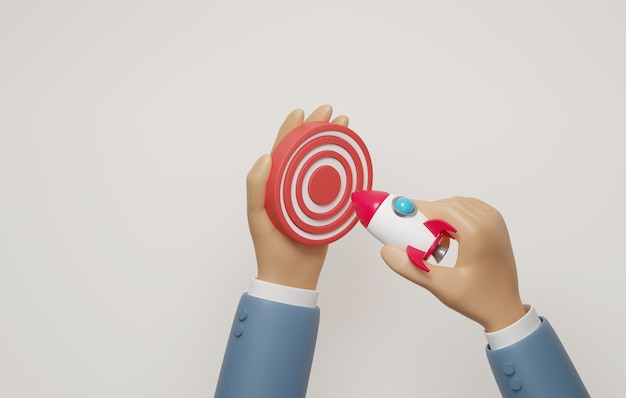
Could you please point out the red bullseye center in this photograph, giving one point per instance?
(324, 185)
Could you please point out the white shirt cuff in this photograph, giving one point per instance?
(283, 294)
(516, 331)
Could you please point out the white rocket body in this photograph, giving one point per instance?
(395, 220)
(389, 228)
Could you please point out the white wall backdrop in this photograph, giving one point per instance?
(127, 128)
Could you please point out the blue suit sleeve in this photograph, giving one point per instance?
(536, 367)
(269, 351)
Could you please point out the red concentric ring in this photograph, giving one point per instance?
(313, 157)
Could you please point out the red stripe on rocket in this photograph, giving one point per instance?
(395, 220)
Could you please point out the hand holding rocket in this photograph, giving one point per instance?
(482, 285)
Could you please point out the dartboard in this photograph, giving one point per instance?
(315, 169)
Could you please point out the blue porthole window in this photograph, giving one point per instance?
(404, 207)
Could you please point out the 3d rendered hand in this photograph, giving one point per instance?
(483, 283)
(280, 259)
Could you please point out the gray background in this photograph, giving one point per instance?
(127, 128)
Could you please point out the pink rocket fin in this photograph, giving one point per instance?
(417, 257)
(437, 226)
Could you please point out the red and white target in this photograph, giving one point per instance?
(315, 169)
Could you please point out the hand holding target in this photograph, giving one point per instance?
(315, 168)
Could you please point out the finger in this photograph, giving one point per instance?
(455, 211)
(342, 120)
(445, 211)
(397, 259)
(321, 114)
(468, 204)
(293, 120)
(256, 182)
(473, 205)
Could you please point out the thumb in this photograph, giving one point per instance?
(397, 259)
(256, 182)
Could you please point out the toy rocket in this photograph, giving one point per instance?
(396, 220)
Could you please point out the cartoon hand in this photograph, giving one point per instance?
(279, 259)
(483, 283)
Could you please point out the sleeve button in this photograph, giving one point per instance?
(508, 368)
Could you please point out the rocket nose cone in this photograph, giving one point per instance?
(365, 204)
